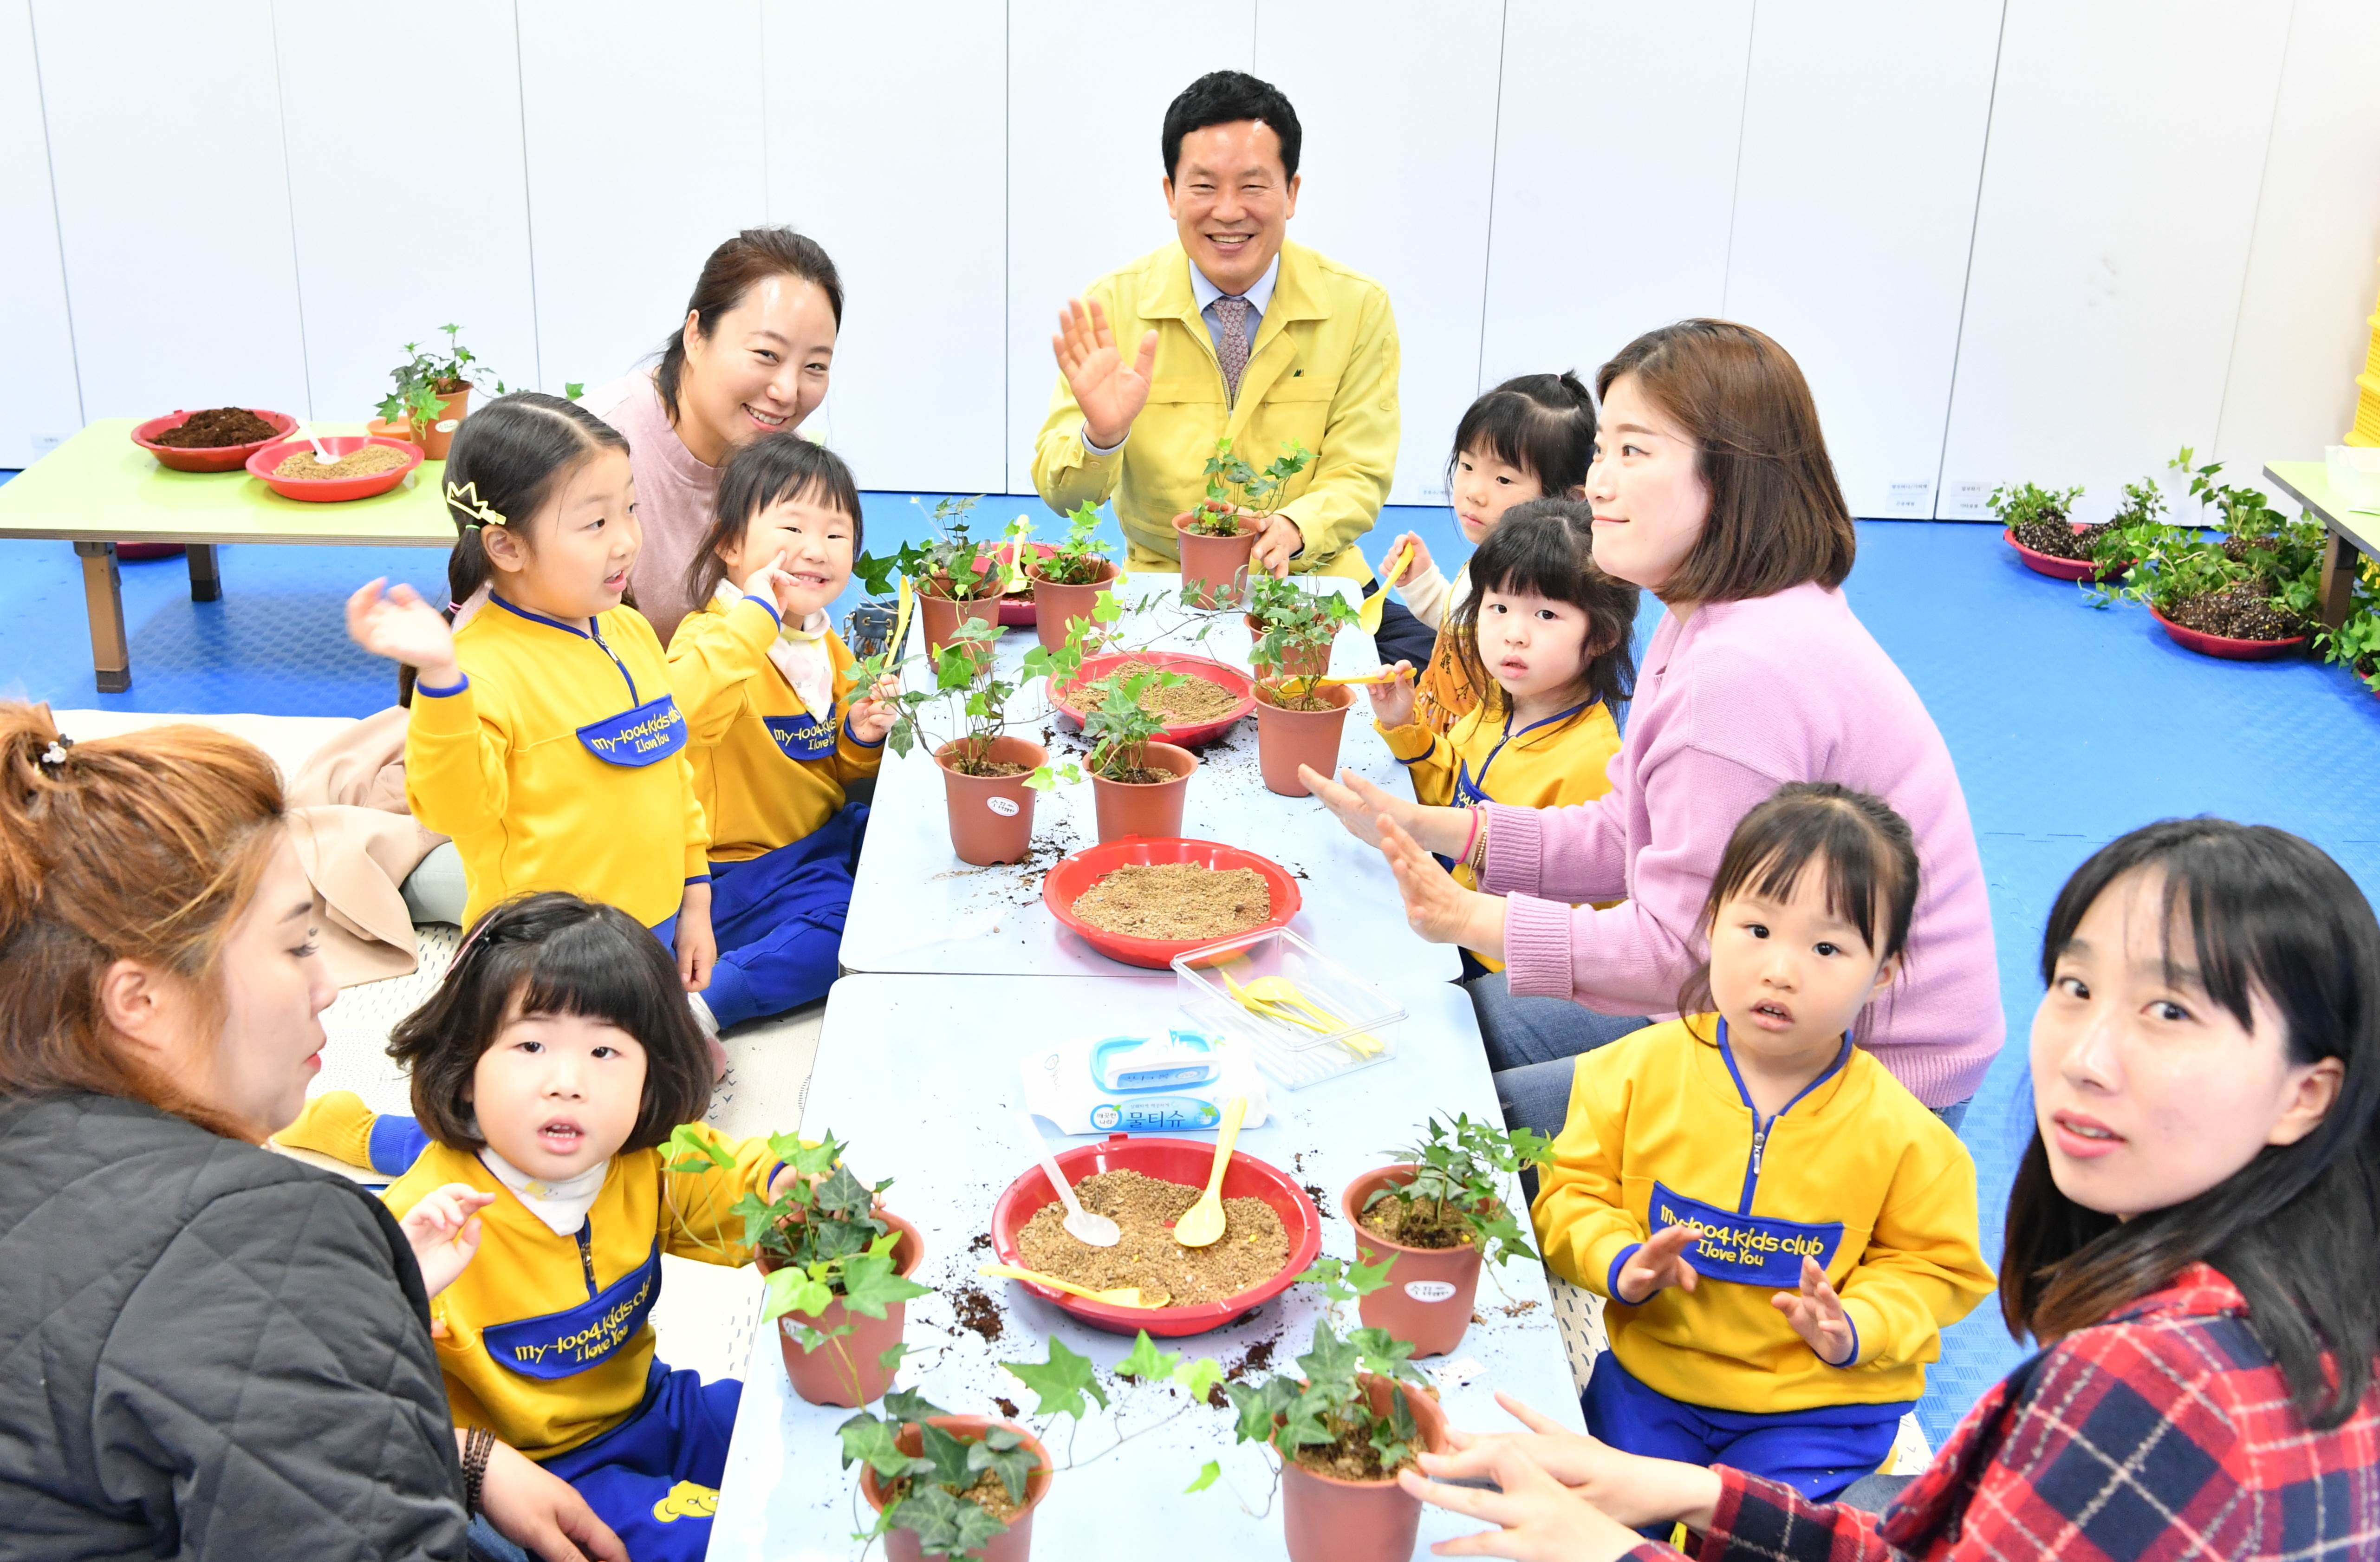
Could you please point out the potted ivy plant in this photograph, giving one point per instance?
(1138, 784)
(1217, 538)
(432, 393)
(956, 577)
(1292, 627)
(1433, 1215)
(1068, 579)
(1299, 722)
(944, 1484)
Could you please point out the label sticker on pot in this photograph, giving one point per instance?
(449, 425)
(1429, 1290)
(1004, 807)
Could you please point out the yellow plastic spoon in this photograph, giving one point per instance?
(1368, 616)
(1281, 993)
(1202, 1223)
(1263, 1010)
(1123, 1295)
(898, 645)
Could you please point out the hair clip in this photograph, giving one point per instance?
(54, 758)
(466, 499)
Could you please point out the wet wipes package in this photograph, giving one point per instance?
(1172, 1081)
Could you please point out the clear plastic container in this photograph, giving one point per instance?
(1344, 1030)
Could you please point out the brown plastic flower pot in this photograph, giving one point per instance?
(1312, 662)
(1056, 606)
(1427, 1298)
(942, 616)
(1328, 1519)
(1286, 739)
(991, 817)
(1216, 565)
(1151, 808)
(901, 1545)
(847, 1370)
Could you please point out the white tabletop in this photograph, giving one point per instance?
(917, 908)
(920, 1077)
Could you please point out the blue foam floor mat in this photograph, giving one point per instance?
(2069, 726)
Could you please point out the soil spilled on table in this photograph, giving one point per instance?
(2241, 611)
(1256, 1357)
(1251, 1251)
(368, 462)
(1176, 901)
(976, 1312)
(1193, 699)
(215, 428)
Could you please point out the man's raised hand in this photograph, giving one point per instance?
(1109, 391)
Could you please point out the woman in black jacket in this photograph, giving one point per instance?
(206, 1350)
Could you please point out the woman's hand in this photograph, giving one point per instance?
(1631, 1488)
(1436, 906)
(1817, 1314)
(770, 583)
(540, 1511)
(1109, 391)
(872, 716)
(443, 1231)
(1657, 1265)
(399, 625)
(1392, 702)
(698, 951)
(1537, 1517)
(1360, 806)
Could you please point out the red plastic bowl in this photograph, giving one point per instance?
(1070, 877)
(325, 491)
(221, 458)
(1191, 734)
(2226, 647)
(1175, 1160)
(1016, 611)
(2054, 567)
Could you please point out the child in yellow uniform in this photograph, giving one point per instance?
(548, 1071)
(543, 736)
(766, 685)
(1783, 1229)
(1547, 635)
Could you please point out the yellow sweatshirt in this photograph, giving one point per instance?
(1854, 1172)
(558, 763)
(1322, 371)
(1552, 763)
(766, 771)
(546, 1341)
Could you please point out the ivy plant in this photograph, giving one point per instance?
(424, 381)
(1234, 487)
(944, 564)
(929, 1493)
(1329, 1408)
(1291, 620)
(1082, 557)
(1456, 1194)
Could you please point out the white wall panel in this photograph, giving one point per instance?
(2302, 331)
(1087, 86)
(406, 218)
(1615, 175)
(906, 186)
(1400, 123)
(1863, 125)
(39, 402)
(644, 127)
(2111, 241)
(172, 200)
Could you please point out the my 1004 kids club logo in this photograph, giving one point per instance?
(1747, 1249)
(651, 732)
(564, 1343)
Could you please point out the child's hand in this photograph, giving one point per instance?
(399, 625)
(1817, 1314)
(769, 582)
(697, 949)
(443, 1231)
(872, 716)
(1392, 702)
(1420, 565)
(1657, 1265)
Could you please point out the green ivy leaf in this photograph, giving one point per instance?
(1333, 1362)
(1004, 1453)
(1061, 1382)
(1197, 1378)
(874, 1443)
(870, 1285)
(946, 1457)
(1208, 1473)
(1146, 1362)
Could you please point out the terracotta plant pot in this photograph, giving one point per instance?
(1328, 1519)
(941, 616)
(2229, 647)
(991, 817)
(848, 1365)
(433, 440)
(1311, 662)
(1151, 808)
(1286, 739)
(1427, 1298)
(1056, 606)
(1216, 565)
(901, 1545)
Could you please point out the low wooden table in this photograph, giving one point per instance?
(2351, 531)
(98, 489)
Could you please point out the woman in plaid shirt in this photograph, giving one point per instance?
(2191, 1236)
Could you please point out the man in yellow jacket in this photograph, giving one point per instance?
(1241, 335)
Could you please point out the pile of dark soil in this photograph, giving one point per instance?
(2057, 537)
(217, 428)
(2239, 612)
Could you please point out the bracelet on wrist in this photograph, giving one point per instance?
(477, 1445)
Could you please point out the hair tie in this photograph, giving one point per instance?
(52, 759)
(466, 499)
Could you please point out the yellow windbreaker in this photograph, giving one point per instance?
(547, 1340)
(766, 772)
(558, 764)
(1322, 371)
(1854, 1172)
(1553, 763)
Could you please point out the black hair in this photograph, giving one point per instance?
(506, 458)
(1226, 97)
(1546, 548)
(2295, 1230)
(1865, 850)
(733, 270)
(1542, 423)
(561, 955)
(775, 466)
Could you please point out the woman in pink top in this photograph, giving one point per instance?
(1711, 488)
(751, 358)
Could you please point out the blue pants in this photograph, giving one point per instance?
(654, 1478)
(1818, 1452)
(778, 920)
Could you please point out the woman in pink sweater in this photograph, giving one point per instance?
(1711, 488)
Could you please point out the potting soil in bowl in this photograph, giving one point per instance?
(217, 428)
(364, 463)
(2239, 612)
(1191, 700)
(1176, 901)
(1251, 1251)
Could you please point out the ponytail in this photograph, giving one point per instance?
(1542, 423)
(502, 469)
